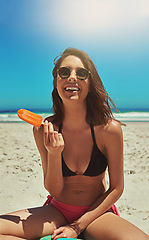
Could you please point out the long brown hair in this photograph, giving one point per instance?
(98, 101)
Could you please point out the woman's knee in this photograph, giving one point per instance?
(31, 223)
(10, 224)
(2, 226)
(110, 226)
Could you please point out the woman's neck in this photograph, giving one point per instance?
(75, 116)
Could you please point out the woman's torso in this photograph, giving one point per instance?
(78, 156)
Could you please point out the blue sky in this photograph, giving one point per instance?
(115, 34)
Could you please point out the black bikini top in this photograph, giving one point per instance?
(98, 162)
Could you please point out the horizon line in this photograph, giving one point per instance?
(50, 110)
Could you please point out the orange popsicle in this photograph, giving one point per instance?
(30, 117)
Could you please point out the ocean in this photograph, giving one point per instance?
(124, 115)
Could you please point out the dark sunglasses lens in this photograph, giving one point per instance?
(82, 74)
(64, 72)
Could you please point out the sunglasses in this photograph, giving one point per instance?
(81, 73)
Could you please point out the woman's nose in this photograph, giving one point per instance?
(73, 76)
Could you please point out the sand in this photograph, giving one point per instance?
(21, 179)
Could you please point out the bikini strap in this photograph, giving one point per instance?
(60, 128)
(93, 133)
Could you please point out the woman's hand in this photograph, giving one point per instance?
(53, 141)
(68, 231)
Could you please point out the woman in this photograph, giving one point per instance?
(76, 146)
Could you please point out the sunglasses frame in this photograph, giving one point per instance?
(78, 77)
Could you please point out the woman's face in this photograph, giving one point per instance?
(71, 88)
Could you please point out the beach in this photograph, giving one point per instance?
(21, 178)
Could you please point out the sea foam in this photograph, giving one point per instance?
(122, 116)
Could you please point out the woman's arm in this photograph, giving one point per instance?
(113, 142)
(50, 145)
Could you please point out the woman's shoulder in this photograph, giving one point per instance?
(109, 134)
(112, 127)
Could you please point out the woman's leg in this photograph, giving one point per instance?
(112, 227)
(31, 223)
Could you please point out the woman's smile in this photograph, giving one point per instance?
(72, 88)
